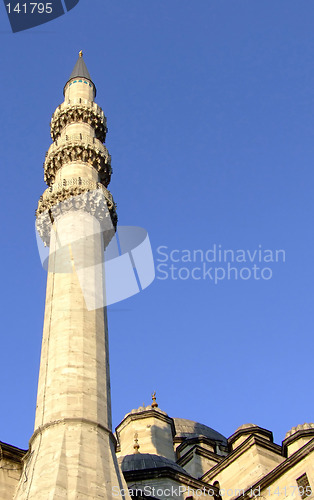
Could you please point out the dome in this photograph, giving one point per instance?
(301, 427)
(142, 461)
(246, 430)
(143, 409)
(190, 429)
(246, 426)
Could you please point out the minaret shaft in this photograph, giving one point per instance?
(74, 372)
(72, 451)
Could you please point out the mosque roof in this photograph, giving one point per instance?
(190, 429)
(142, 461)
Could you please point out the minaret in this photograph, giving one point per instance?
(72, 451)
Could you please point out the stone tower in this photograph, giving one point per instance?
(72, 451)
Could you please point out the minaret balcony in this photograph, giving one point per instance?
(78, 148)
(59, 191)
(77, 111)
(71, 190)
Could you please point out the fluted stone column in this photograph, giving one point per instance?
(72, 451)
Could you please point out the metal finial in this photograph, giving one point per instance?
(136, 445)
(154, 404)
(81, 53)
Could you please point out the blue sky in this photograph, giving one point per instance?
(210, 108)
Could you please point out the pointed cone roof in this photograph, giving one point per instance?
(80, 70)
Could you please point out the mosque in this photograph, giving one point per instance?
(73, 453)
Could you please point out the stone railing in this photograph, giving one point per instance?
(78, 148)
(77, 112)
(73, 181)
(70, 187)
(70, 102)
(76, 138)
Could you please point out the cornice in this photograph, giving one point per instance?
(198, 450)
(72, 421)
(242, 448)
(296, 436)
(280, 469)
(146, 414)
(250, 430)
(196, 440)
(11, 453)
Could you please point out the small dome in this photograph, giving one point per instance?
(142, 461)
(189, 429)
(142, 409)
(245, 426)
(301, 427)
(246, 430)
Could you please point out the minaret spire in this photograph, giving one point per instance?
(72, 451)
(80, 71)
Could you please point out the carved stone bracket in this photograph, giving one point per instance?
(78, 151)
(94, 116)
(98, 203)
(71, 187)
